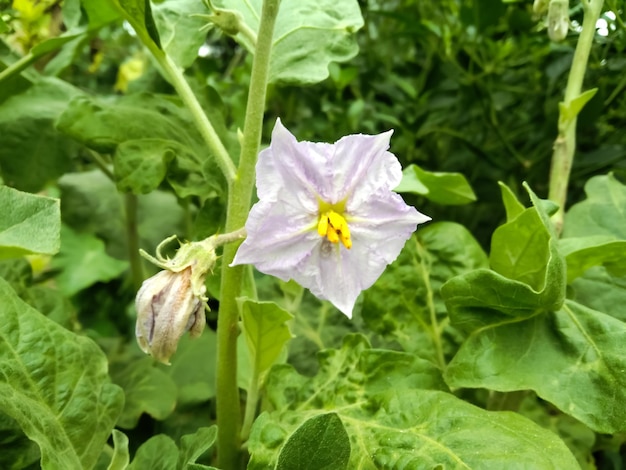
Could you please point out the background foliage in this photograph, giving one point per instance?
(527, 333)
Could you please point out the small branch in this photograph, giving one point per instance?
(565, 143)
(132, 237)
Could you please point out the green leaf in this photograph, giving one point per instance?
(586, 252)
(141, 165)
(133, 127)
(30, 224)
(192, 446)
(391, 419)
(571, 358)
(266, 331)
(579, 438)
(442, 188)
(33, 153)
(83, 262)
(600, 291)
(161, 453)
(398, 306)
(569, 111)
(18, 451)
(54, 383)
(320, 443)
(192, 373)
(91, 203)
(157, 453)
(602, 213)
(120, 458)
(308, 36)
(523, 248)
(138, 13)
(41, 49)
(180, 32)
(520, 249)
(482, 297)
(147, 389)
(102, 126)
(513, 207)
(99, 12)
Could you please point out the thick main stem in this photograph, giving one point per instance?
(565, 143)
(240, 195)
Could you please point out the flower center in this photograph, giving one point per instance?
(334, 227)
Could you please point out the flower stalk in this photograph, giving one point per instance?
(239, 200)
(565, 143)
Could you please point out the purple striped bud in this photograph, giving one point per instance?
(167, 308)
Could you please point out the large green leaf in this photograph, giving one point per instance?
(157, 453)
(161, 453)
(582, 253)
(442, 188)
(33, 153)
(147, 389)
(523, 335)
(571, 357)
(145, 132)
(83, 261)
(602, 213)
(18, 451)
(320, 443)
(401, 305)
(393, 418)
(308, 35)
(30, 224)
(141, 165)
(54, 383)
(600, 291)
(102, 125)
(191, 371)
(594, 233)
(180, 31)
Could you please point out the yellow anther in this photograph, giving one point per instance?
(334, 227)
(332, 235)
(322, 226)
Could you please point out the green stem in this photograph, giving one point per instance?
(17, 66)
(132, 237)
(565, 143)
(101, 164)
(251, 402)
(176, 77)
(435, 328)
(240, 195)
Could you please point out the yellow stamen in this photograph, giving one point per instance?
(322, 226)
(334, 227)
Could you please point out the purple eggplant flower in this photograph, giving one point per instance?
(327, 216)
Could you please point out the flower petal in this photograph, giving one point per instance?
(278, 238)
(362, 166)
(383, 224)
(293, 170)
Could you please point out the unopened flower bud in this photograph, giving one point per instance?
(172, 302)
(558, 20)
(229, 21)
(168, 307)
